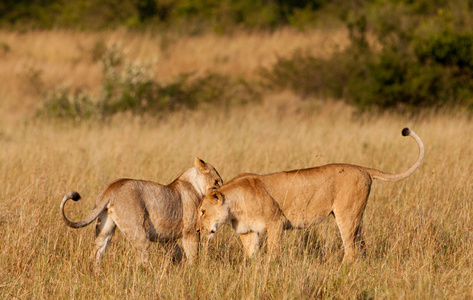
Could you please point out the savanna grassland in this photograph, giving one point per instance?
(419, 232)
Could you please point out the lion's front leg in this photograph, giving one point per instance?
(275, 230)
(250, 243)
(190, 243)
(174, 251)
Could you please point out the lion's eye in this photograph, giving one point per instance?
(202, 212)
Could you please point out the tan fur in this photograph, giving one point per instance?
(148, 211)
(295, 199)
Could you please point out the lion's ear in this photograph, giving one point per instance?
(200, 165)
(218, 197)
(211, 191)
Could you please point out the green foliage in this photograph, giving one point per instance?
(306, 75)
(448, 48)
(63, 103)
(418, 60)
(403, 54)
(187, 15)
(131, 87)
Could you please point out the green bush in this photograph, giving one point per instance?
(307, 75)
(131, 87)
(417, 61)
(62, 103)
(187, 15)
(447, 48)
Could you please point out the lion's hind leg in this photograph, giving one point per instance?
(348, 230)
(359, 240)
(104, 231)
(134, 231)
(349, 215)
(352, 239)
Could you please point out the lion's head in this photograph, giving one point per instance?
(207, 176)
(212, 213)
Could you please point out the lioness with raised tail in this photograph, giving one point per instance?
(296, 199)
(148, 211)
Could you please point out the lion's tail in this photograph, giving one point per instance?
(377, 174)
(89, 219)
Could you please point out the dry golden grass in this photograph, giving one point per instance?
(419, 232)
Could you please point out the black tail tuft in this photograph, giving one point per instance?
(406, 131)
(73, 195)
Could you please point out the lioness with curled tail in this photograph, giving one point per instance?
(148, 211)
(296, 199)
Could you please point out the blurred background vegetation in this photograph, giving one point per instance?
(404, 55)
(190, 15)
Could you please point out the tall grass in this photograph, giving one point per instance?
(419, 232)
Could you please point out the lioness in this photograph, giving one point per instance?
(148, 211)
(295, 199)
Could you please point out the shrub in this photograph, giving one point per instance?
(63, 103)
(418, 61)
(307, 75)
(195, 15)
(447, 48)
(131, 87)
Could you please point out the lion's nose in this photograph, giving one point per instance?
(198, 230)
